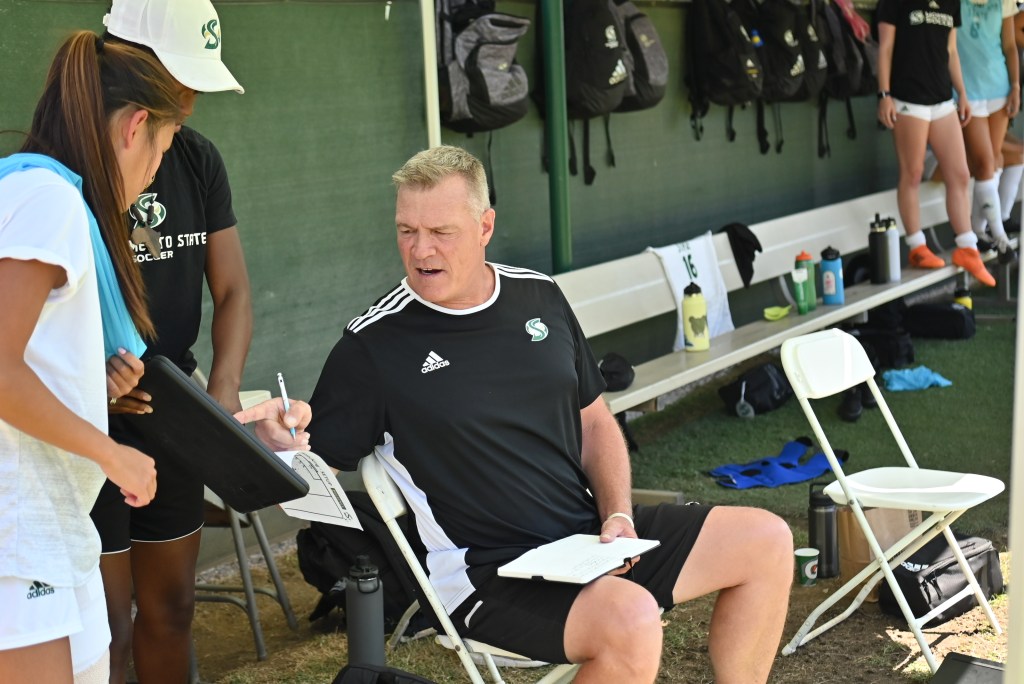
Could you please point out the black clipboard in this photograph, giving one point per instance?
(190, 427)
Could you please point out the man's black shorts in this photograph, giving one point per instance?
(528, 617)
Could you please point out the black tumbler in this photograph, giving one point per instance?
(822, 530)
(878, 251)
(364, 613)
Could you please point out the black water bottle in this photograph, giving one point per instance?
(822, 530)
(364, 613)
(878, 250)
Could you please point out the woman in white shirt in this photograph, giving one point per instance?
(106, 116)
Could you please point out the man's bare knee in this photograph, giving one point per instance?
(614, 629)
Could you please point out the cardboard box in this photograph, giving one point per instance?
(889, 526)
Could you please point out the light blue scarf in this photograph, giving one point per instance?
(118, 327)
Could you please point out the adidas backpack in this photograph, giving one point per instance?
(722, 65)
(644, 57)
(595, 72)
(852, 72)
(481, 86)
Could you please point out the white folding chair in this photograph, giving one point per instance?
(826, 363)
(390, 504)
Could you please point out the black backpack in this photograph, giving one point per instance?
(326, 552)
(645, 59)
(852, 70)
(481, 86)
(722, 65)
(595, 73)
(779, 28)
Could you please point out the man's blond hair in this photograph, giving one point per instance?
(430, 167)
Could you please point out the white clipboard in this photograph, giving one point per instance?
(578, 559)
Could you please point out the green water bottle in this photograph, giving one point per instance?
(806, 262)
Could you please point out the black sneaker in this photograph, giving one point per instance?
(1011, 226)
(851, 406)
(985, 246)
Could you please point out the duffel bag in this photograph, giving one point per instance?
(931, 575)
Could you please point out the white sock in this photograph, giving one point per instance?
(967, 240)
(915, 240)
(1009, 187)
(979, 224)
(986, 199)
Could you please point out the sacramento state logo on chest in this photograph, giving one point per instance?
(536, 329)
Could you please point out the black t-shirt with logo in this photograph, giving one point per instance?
(920, 58)
(483, 407)
(190, 199)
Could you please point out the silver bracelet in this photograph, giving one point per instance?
(626, 516)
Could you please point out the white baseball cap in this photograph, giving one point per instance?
(184, 34)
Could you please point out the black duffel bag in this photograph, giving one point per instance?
(931, 575)
(377, 674)
(940, 320)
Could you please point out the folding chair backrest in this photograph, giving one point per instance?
(382, 489)
(824, 363)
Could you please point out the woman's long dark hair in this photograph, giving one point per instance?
(89, 82)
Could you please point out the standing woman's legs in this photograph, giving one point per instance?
(116, 569)
(165, 579)
(910, 136)
(948, 143)
(1012, 152)
(998, 123)
(982, 165)
(46, 662)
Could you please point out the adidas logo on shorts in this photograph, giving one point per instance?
(39, 589)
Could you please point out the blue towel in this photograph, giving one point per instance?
(773, 471)
(906, 379)
(118, 327)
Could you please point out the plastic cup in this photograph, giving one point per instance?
(807, 566)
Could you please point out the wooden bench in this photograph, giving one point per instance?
(633, 289)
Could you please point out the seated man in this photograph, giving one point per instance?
(480, 384)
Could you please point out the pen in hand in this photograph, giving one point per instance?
(284, 398)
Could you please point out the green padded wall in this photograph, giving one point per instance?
(334, 103)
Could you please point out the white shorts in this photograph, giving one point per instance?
(925, 112)
(985, 108)
(34, 613)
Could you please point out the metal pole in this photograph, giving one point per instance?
(557, 132)
(1015, 630)
(433, 113)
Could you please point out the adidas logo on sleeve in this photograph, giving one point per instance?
(433, 362)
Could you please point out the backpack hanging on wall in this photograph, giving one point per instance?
(595, 73)
(780, 32)
(482, 87)
(852, 69)
(723, 66)
(645, 59)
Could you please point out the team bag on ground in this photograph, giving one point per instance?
(327, 552)
(377, 674)
(932, 575)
